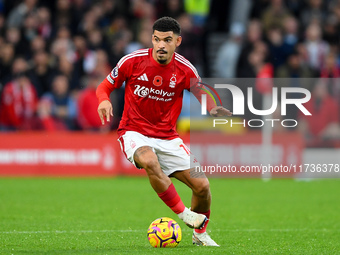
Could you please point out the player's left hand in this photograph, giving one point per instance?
(220, 111)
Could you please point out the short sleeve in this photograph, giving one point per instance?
(119, 73)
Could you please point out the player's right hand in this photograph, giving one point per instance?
(105, 110)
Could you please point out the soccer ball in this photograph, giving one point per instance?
(164, 232)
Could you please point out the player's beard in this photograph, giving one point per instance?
(162, 59)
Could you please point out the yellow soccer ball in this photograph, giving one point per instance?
(164, 232)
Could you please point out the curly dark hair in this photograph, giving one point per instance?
(166, 24)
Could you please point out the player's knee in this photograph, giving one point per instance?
(203, 190)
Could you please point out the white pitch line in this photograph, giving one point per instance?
(278, 230)
(69, 231)
(141, 230)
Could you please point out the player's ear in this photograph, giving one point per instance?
(178, 41)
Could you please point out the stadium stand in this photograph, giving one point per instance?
(80, 38)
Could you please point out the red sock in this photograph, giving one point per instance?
(206, 224)
(171, 198)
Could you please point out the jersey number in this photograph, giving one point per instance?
(185, 148)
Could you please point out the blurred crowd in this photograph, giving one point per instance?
(53, 54)
(298, 42)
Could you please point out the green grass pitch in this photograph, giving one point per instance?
(111, 216)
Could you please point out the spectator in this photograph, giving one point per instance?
(42, 74)
(331, 74)
(90, 19)
(19, 100)
(144, 16)
(171, 8)
(254, 35)
(294, 74)
(30, 27)
(257, 59)
(260, 69)
(274, 15)
(323, 124)
(102, 65)
(96, 40)
(278, 51)
(38, 44)
(317, 49)
(119, 46)
(143, 9)
(331, 28)
(66, 68)
(18, 14)
(6, 60)
(79, 7)
(87, 118)
(334, 9)
(118, 24)
(264, 70)
(85, 59)
(330, 68)
(63, 45)
(13, 36)
(64, 32)
(44, 23)
(301, 49)
(57, 109)
(315, 12)
(62, 16)
(228, 53)
(99, 14)
(294, 68)
(142, 42)
(191, 43)
(113, 9)
(290, 34)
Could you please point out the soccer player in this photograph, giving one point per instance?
(154, 82)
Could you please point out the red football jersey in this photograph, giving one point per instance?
(18, 105)
(153, 92)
